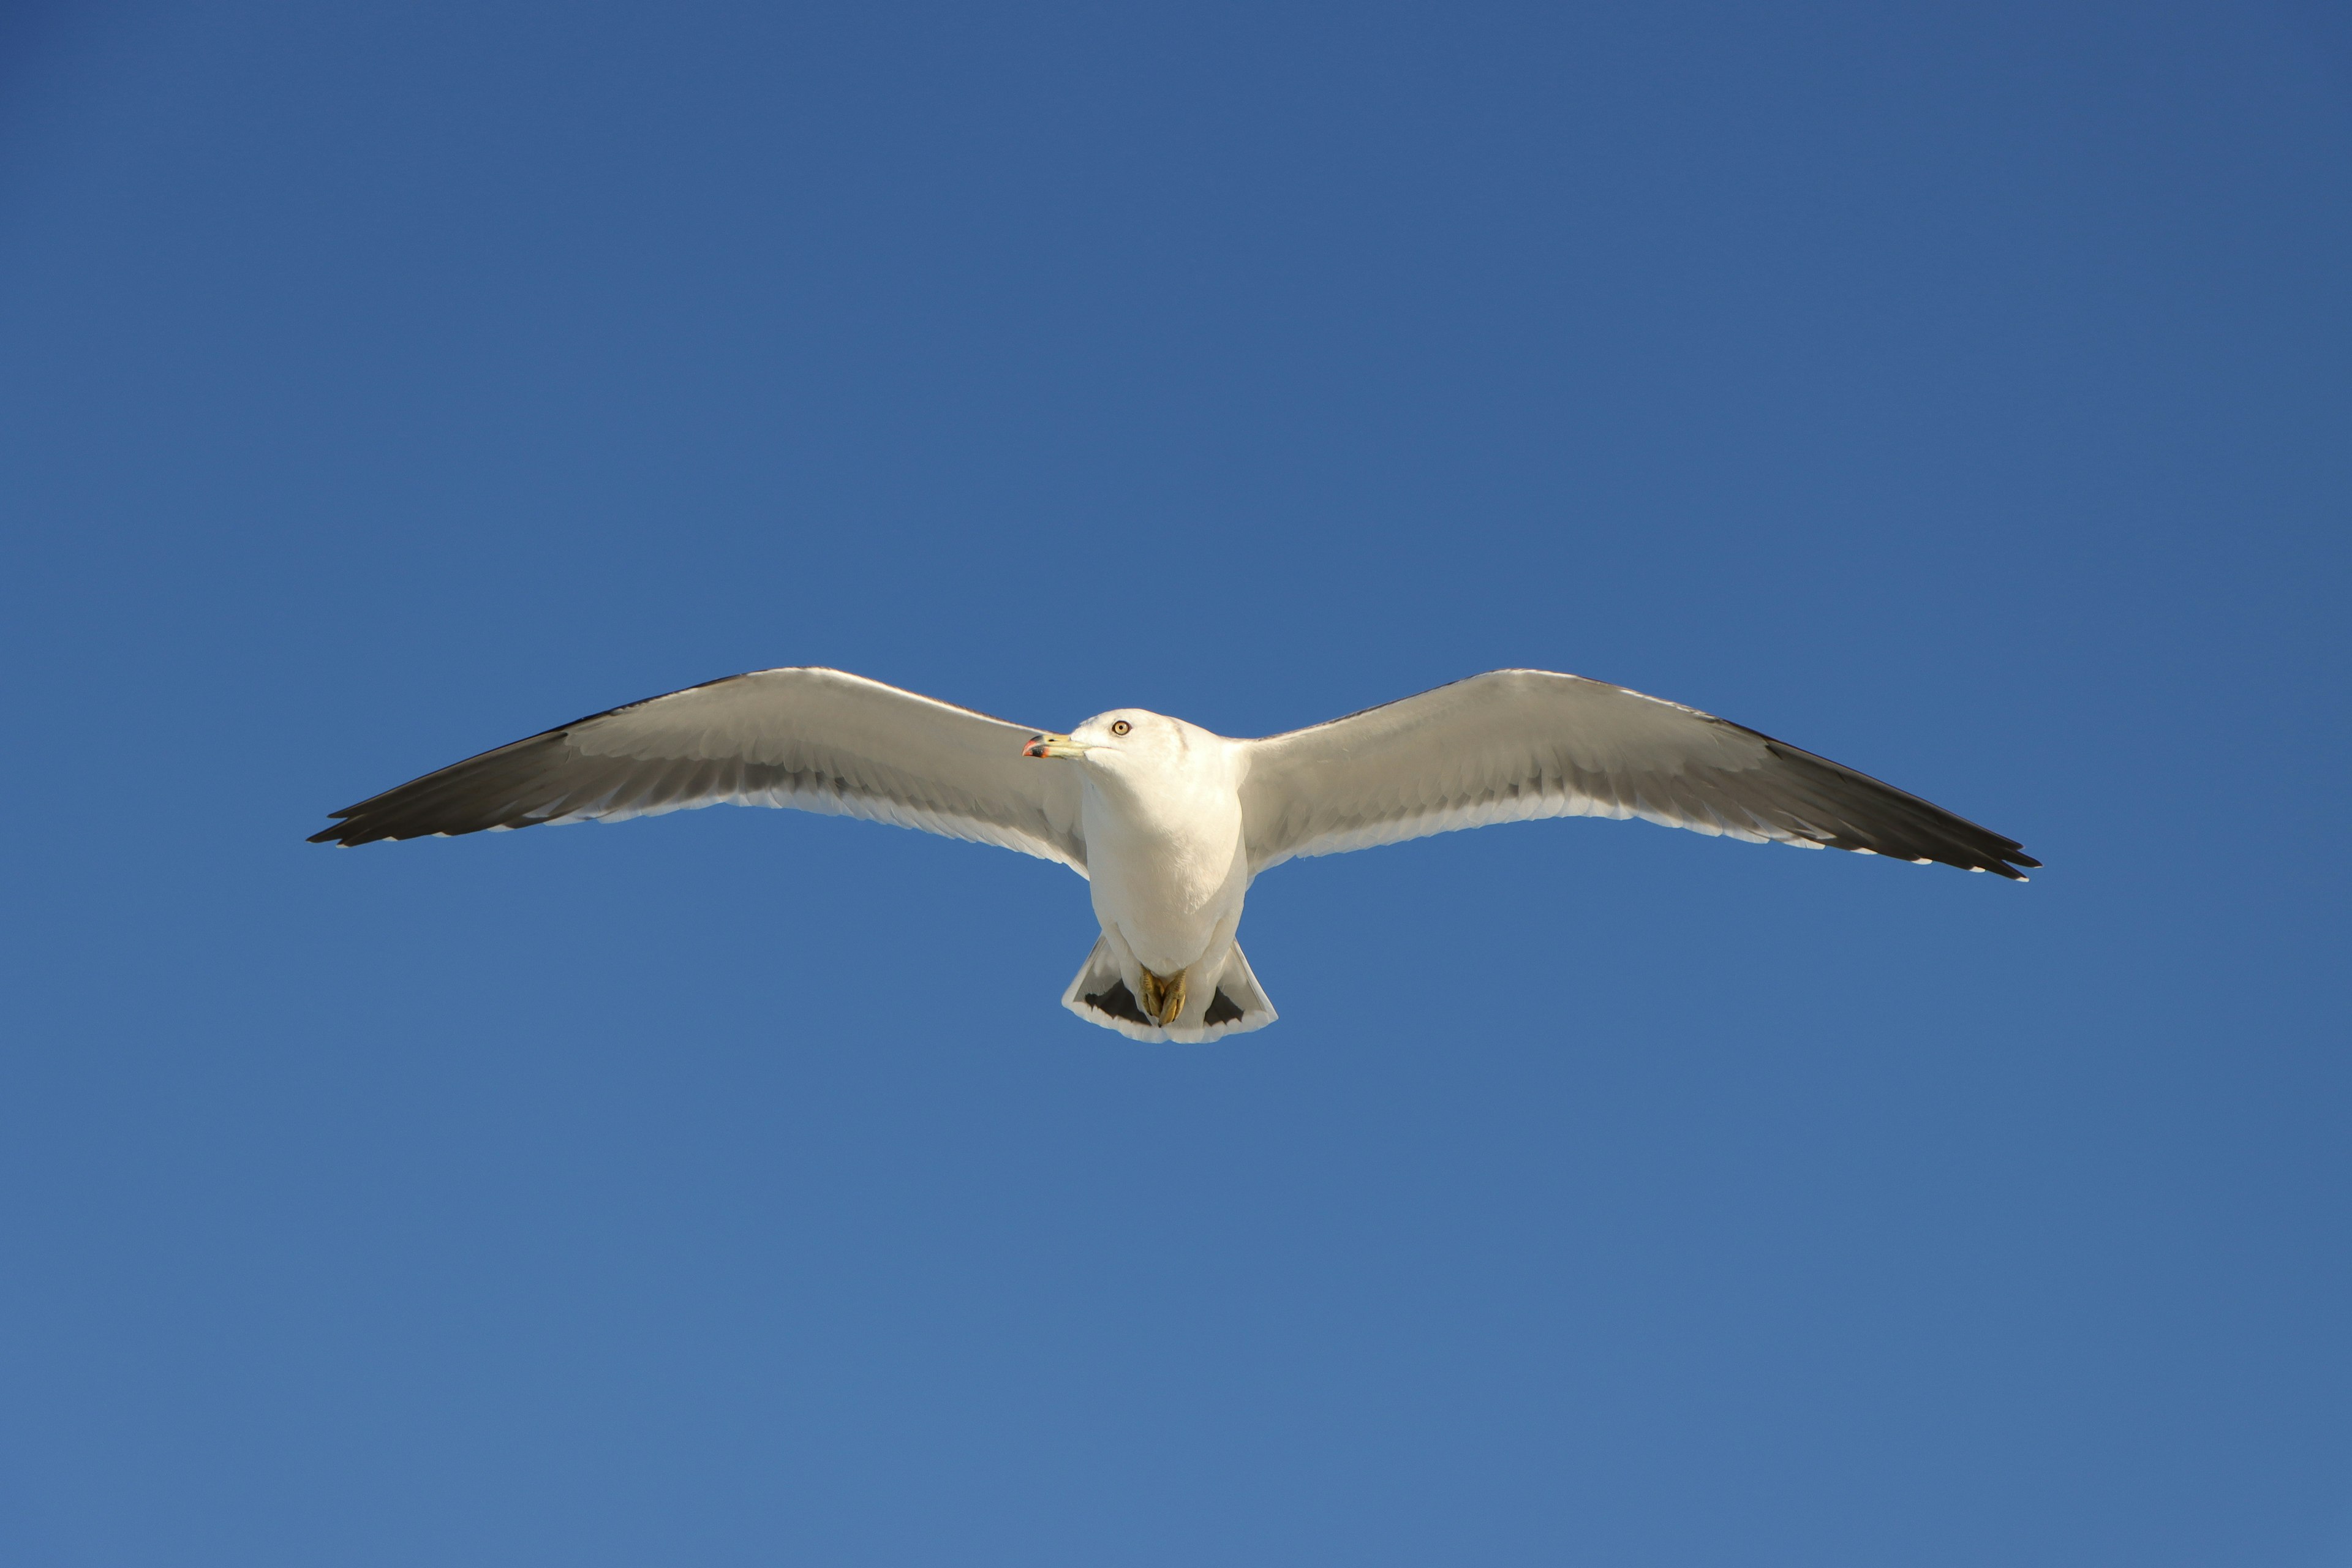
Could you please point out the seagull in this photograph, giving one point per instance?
(1171, 823)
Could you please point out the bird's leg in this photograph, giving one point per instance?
(1163, 997)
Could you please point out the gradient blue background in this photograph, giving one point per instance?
(1961, 393)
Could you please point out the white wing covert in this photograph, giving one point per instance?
(1517, 745)
(811, 739)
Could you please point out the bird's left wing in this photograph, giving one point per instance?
(818, 740)
(1515, 744)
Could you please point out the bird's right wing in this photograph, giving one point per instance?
(818, 740)
(1515, 744)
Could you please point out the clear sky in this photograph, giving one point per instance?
(1959, 392)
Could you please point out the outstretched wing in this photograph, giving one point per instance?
(817, 740)
(1521, 743)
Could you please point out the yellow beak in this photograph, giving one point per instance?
(1055, 746)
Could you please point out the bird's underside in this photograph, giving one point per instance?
(1170, 822)
(1225, 999)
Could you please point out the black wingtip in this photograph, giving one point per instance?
(343, 831)
(2011, 862)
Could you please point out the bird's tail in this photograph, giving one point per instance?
(1232, 1003)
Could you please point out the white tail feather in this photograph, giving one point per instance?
(1100, 995)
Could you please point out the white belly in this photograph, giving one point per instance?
(1171, 881)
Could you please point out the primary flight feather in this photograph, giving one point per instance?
(1169, 823)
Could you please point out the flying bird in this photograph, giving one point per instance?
(1171, 823)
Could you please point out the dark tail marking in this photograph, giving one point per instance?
(1119, 1002)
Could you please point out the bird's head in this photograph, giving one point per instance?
(1125, 737)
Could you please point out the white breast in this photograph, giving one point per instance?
(1165, 856)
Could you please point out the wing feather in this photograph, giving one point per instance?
(1517, 744)
(814, 740)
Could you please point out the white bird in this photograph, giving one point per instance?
(1168, 822)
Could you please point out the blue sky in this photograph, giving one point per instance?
(1960, 393)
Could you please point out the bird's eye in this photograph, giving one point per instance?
(1120, 727)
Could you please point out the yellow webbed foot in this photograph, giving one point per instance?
(1163, 996)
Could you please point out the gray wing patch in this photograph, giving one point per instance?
(1518, 745)
(810, 739)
